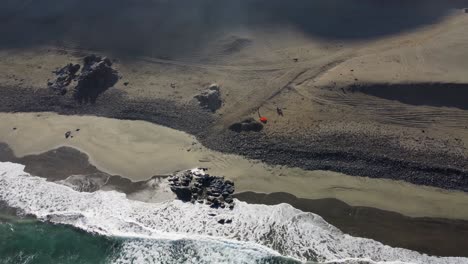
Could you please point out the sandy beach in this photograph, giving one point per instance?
(138, 150)
(336, 94)
(355, 111)
(395, 213)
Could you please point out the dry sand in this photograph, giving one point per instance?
(254, 64)
(138, 150)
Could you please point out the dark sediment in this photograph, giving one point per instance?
(433, 236)
(51, 164)
(113, 104)
(71, 167)
(361, 155)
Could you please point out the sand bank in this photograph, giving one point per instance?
(139, 150)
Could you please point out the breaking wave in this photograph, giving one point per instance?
(177, 232)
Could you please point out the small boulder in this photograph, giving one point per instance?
(210, 98)
(96, 77)
(64, 76)
(247, 125)
(183, 193)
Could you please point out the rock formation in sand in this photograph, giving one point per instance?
(65, 76)
(210, 98)
(248, 124)
(96, 76)
(197, 186)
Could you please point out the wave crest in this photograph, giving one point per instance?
(256, 231)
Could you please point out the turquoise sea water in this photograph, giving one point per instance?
(31, 241)
(35, 242)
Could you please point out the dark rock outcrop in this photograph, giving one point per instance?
(96, 77)
(210, 98)
(248, 124)
(64, 76)
(195, 185)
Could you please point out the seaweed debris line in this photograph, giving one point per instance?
(197, 186)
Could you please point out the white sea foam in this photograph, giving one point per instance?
(256, 231)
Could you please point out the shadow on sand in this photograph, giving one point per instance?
(170, 28)
(429, 94)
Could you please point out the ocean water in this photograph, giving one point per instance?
(45, 243)
(106, 227)
(36, 242)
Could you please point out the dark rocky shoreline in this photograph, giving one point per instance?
(198, 186)
(359, 155)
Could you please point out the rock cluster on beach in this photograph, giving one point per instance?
(64, 76)
(210, 98)
(198, 186)
(96, 76)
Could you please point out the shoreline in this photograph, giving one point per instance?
(374, 157)
(136, 155)
(433, 236)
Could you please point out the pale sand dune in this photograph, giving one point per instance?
(139, 150)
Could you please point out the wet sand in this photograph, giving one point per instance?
(434, 236)
(139, 150)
